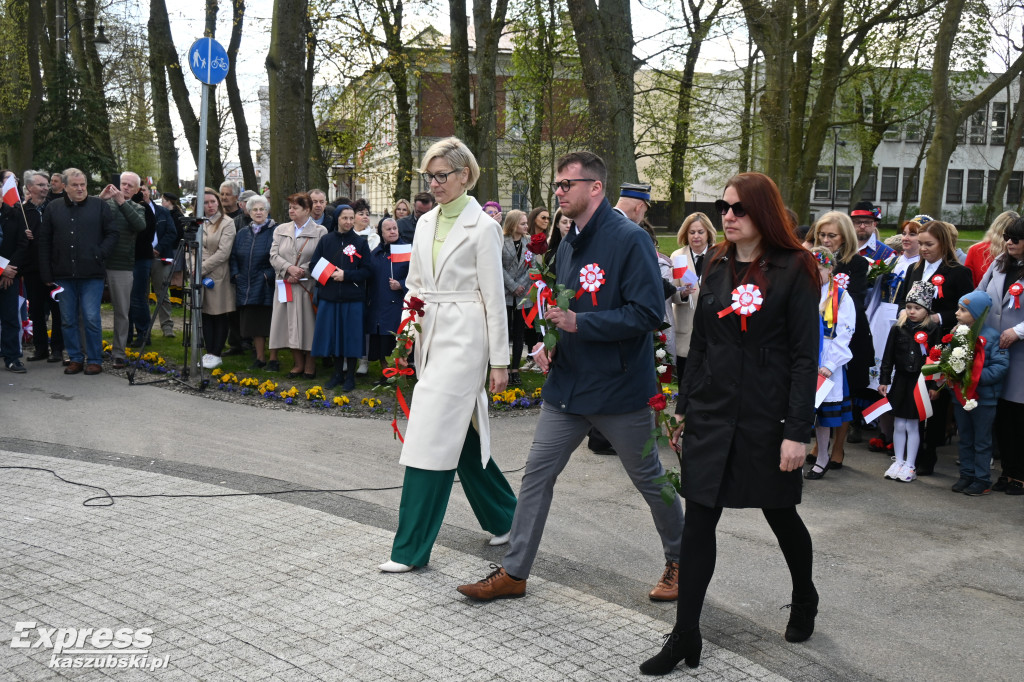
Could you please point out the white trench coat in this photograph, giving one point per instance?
(464, 328)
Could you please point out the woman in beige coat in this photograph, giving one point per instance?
(696, 236)
(215, 273)
(292, 321)
(456, 270)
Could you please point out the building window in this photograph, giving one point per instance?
(844, 183)
(520, 195)
(993, 177)
(518, 116)
(892, 134)
(1013, 188)
(911, 184)
(871, 186)
(975, 186)
(998, 123)
(913, 131)
(890, 184)
(955, 187)
(978, 123)
(823, 184)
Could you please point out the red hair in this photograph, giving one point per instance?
(763, 203)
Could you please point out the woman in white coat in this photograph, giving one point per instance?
(456, 270)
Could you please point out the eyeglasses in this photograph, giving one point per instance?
(1015, 240)
(864, 223)
(723, 208)
(441, 178)
(566, 185)
(544, 217)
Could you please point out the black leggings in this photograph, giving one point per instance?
(697, 562)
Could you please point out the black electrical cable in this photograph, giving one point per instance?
(107, 500)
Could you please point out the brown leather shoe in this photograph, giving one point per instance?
(667, 588)
(93, 369)
(498, 585)
(74, 368)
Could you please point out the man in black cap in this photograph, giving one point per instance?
(634, 200)
(865, 218)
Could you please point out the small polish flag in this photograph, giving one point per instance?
(10, 191)
(323, 271)
(167, 260)
(824, 386)
(921, 399)
(876, 410)
(57, 291)
(284, 291)
(681, 270)
(401, 253)
(3, 264)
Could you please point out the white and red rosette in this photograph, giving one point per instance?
(746, 300)
(350, 251)
(842, 280)
(938, 281)
(591, 279)
(922, 339)
(1015, 290)
(528, 257)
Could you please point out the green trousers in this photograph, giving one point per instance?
(425, 498)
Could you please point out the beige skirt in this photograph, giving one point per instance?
(292, 324)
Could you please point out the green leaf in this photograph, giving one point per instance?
(663, 440)
(647, 449)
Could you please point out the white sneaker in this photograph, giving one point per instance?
(893, 471)
(363, 367)
(907, 474)
(211, 361)
(499, 539)
(395, 567)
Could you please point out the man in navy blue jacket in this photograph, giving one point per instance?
(164, 244)
(601, 372)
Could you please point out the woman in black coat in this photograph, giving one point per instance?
(387, 292)
(747, 400)
(938, 265)
(253, 276)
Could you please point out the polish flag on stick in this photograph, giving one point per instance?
(876, 410)
(3, 264)
(10, 191)
(921, 399)
(323, 271)
(681, 270)
(824, 386)
(401, 253)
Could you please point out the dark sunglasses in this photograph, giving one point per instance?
(1015, 240)
(723, 207)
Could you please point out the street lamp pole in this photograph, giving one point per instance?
(836, 142)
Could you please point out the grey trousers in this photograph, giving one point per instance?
(120, 284)
(158, 276)
(557, 435)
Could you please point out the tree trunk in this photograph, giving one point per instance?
(488, 31)
(214, 158)
(286, 68)
(391, 14)
(1009, 160)
(605, 40)
(166, 148)
(905, 206)
(461, 88)
(92, 72)
(746, 118)
(949, 116)
(161, 46)
(317, 162)
(33, 28)
(235, 98)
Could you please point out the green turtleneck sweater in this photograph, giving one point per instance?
(450, 212)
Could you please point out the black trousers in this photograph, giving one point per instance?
(1009, 417)
(215, 333)
(516, 326)
(698, 555)
(40, 305)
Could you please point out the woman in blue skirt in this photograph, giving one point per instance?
(342, 298)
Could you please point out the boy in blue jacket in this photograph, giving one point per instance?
(975, 422)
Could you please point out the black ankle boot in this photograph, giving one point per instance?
(679, 645)
(801, 617)
(350, 374)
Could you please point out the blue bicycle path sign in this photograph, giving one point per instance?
(208, 60)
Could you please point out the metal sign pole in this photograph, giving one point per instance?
(197, 277)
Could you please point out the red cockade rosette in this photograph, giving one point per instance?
(922, 339)
(938, 281)
(591, 279)
(842, 280)
(545, 291)
(398, 373)
(961, 358)
(746, 300)
(1015, 291)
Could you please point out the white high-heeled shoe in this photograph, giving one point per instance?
(499, 539)
(395, 567)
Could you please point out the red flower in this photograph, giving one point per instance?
(415, 305)
(658, 402)
(934, 354)
(538, 244)
(947, 338)
(662, 338)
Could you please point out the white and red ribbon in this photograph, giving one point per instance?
(55, 292)
(1015, 291)
(591, 279)
(938, 281)
(843, 280)
(746, 300)
(350, 251)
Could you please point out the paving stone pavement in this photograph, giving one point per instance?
(265, 588)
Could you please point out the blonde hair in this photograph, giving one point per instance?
(845, 226)
(683, 236)
(994, 235)
(511, 222)
(455, 152)
(408, 207)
